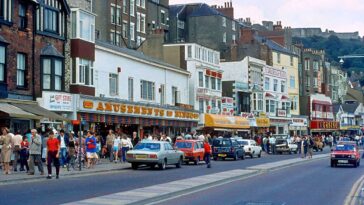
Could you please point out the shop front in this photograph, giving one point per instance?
(350, 129)
(279, 125)
(318, 127)
(261, 125)
(128, 117)
(298, 126)
(222, 124)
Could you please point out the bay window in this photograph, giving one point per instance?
(52, 74)
(83, 25)
(270, 106)
(258, 101)
(85, 72)
(213, 83)
(51, 20)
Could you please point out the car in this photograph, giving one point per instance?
(251, 148)
(345, 153)
(284, 145)
(223, 148)
(152, 153)
(193, 150)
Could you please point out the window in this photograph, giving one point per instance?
(163, 94)
(258, 101)
(224, 37)
(292, 82)
(86, 72)
(219, 84)
(125, 29)
(118, 16)
(308, 81)
(275, 85)
(2, 64)
(189, 51)
(147, 90)
(307, 64)
(20, 70)
(132, 33)
(315, 82)
(266, 83)
(52, 74)
(132, 7)
(174, 95)
(278, 58)
(163, 17)
(207, 81)
(233, 25)
(291, 60)
(22, 16)
(50, 20)
(142, 3)
(294, 105)
(200, 105)
(283, 86)
(142, 23)
(112, 37)
(137, 2)
(6, 10)
(213, 104)
(138, 22)
(130, 89)
(87, 27)
(113, 84)
(223, 21)
(270, 106)
(125, 10)
(112, 15)
(213, 83)
(315, 65)
(200, 79)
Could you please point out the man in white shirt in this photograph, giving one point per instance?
(63, 139)
(272, 142)
(16, 141)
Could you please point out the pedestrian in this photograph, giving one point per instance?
(207, 156)
(110, 144)
(272, 142)
(98, 146)
(35, 153)
(304, 147)
(6, 141)
(135, 139)
(90, 149)
(53, 154)
(265, 144)
(24, 154)
(64, 140)
(124, 148)
(71, 151)
(310, 144)
(44, 138)
(116, 148)
(16, 141)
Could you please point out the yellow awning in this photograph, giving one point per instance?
(228, 122)
(263, 122)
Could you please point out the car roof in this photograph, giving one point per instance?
(153, 141)
(188, 141)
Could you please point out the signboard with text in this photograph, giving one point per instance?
(58, 101)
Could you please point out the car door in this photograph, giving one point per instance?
(236, 146)
(254, 147)
(201, 150)
(172, 154)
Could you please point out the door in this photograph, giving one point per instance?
(172, 154)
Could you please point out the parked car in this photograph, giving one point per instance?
(345, 153)
(193, 150)
(152, 153)
(251, 148)
(227, 148)
(285, 146)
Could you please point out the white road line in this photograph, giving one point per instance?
(351, 198)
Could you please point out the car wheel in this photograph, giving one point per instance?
(134, 166)
(179, 163)
(332, 163)
(243, 156)
(197, 161)
(260, 154)
(162, 166)
(355, 164)
(251, 155)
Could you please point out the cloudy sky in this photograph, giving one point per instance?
(338, 15)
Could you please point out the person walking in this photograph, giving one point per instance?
(6, 141)
(303, 147)
(207, 156)
(135, 139)
(91, 149)
(272, 142)
(71, 152)
(35, 153)
(16, 141)
(24, 154)
(125, 144)
(110, 144)
(64, 140)
(53, 151)
(310, 144)
(116, 148)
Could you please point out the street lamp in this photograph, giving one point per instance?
(350, 56)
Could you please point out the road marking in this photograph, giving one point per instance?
(352, 197)
(146, 193)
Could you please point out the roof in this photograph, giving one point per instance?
(199, 9)
(350, 108)
(50, 50)
(336, 108)
(175, 9)
(273, 45)
(137, 54)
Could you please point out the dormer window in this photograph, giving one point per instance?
(51, 20)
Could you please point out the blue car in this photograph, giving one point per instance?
(227, 148)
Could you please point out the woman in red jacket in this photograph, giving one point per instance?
(207, 156)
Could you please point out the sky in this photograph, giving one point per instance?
(337, 15)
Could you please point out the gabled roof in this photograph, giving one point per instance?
(175, 9)
(50, 50)
(273, 45)
(336, 108)
(205, 10)
(350, 108)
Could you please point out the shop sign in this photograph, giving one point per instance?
(185, 106)
(331, 125)
(136, 110)
(281, 113)
(247, 115)
(350, 127)
(274, 72)
(262, 122)
(241, 86)
(299, 122)
(58, 101)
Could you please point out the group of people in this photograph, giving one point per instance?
(51, 147)
(118, 144)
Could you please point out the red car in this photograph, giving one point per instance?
(345, 153)
(193, 149)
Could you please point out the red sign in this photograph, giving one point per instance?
(214, 74)
(75, 122)
(329, 125)
(208, 72)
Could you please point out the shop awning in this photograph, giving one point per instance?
(15, 112)
(269, 95)
(41, 112)
(227, 122)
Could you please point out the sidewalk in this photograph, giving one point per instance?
(103, 166)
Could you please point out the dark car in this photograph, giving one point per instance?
(227, 148)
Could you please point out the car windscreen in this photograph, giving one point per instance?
(148, 146)
(221, 143)
(182, 145)
(345, 147)
(242, 142)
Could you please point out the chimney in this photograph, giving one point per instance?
(227, 9)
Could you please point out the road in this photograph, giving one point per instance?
(314, 183)
(83, 187)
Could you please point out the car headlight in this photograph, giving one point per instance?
(352, 156)
(333, 155)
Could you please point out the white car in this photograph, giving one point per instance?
(251, 148)
(284, 145)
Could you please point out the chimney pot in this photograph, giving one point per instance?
(225, 4)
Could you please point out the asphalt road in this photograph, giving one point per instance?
(314, 183)
(71, 189)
